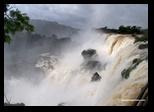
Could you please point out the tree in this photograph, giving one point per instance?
(15, 21)
(121, 28)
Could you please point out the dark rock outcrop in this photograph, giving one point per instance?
(126, 72)
(16, 104)
(96, 77)
(61, 104)
(87, 54)
(143, 46)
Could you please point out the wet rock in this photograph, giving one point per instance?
(135, 60)
(125, 73)
(87, 54)
(143, 46)
(61, 104)
(96, 77)
(16, 104)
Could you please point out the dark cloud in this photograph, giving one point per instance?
(96, 15)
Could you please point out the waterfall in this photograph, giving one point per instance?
(68, 82)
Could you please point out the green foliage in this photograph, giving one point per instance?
(123, 30)
(130, 29)
(143, 38)
(140, 39)
(15, 21)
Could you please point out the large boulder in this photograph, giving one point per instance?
(96, 77)
(89, 53)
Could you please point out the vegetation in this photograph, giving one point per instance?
(130, 29)
(143, 38)
(14, 21)
(8, 103)
(122, 30)
(134, 30)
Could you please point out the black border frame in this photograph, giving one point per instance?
(70, 108)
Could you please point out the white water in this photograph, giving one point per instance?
(69, 84)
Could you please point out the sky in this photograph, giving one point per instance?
(89, 15)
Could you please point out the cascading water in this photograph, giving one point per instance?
(68, 82)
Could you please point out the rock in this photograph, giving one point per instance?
(61, 104)
(143, 46)
(135, 60)
(87, 54)
(16, 104)
(96, 77)
(125, 73)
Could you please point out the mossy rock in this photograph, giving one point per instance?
(143, 46)
(136, 60)
(144, 38)
(126, 72)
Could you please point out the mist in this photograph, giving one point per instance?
(50, 88)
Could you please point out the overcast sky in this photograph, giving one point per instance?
(94, 15)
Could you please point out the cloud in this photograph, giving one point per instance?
(95, 15)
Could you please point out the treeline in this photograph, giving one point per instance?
(123, 30)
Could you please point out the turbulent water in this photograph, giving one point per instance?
(68, 82)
